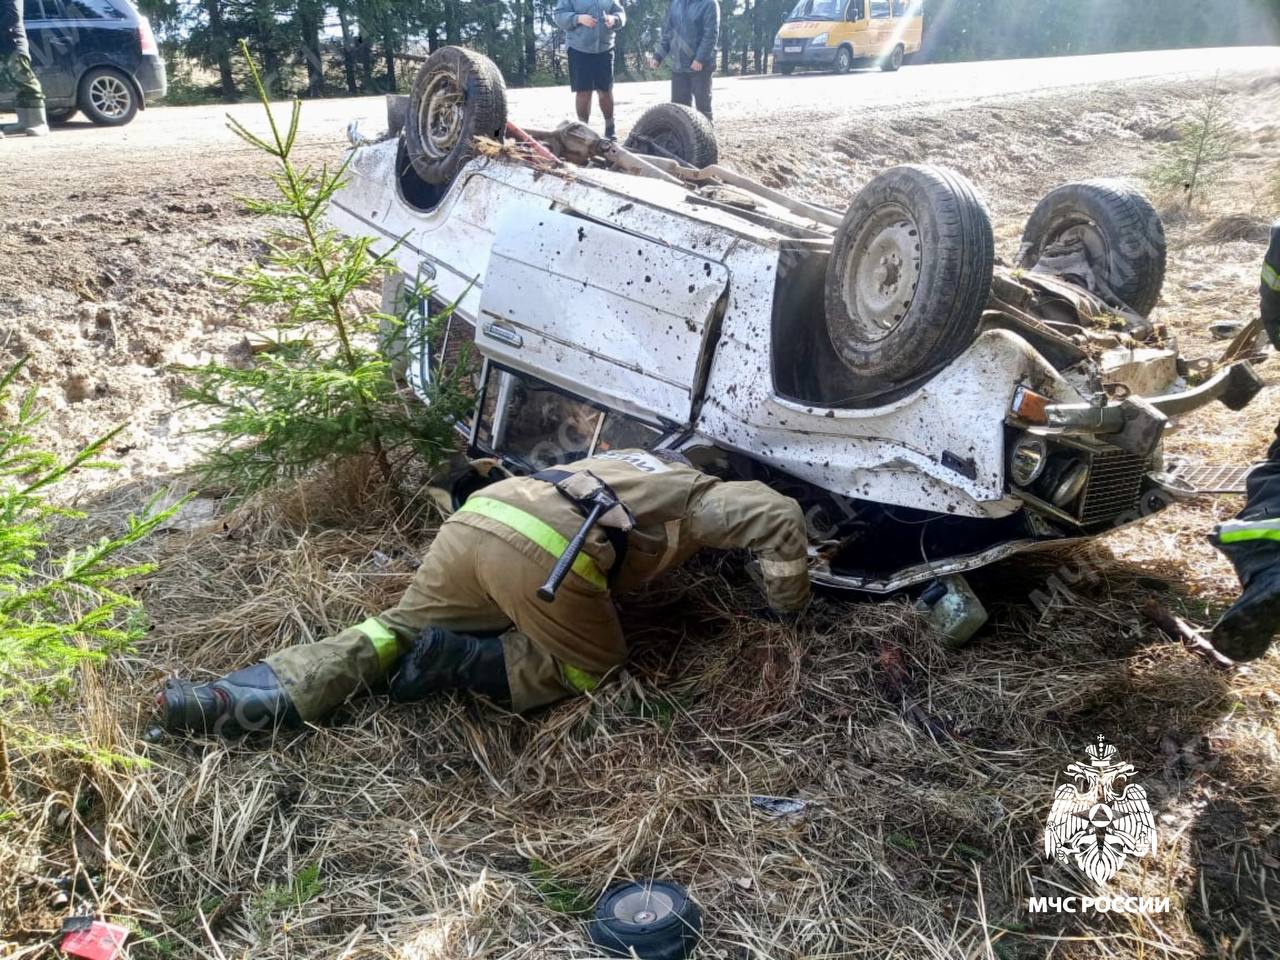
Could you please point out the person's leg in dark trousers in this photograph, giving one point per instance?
(701, 84)
(682, 89)
(1252, 543)
(604, 92)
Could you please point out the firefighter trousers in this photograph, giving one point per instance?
(1252, 540)
(470, 581)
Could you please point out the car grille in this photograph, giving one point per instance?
(1115, 485)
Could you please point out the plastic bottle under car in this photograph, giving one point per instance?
(953, 609)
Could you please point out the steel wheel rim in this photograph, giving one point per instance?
(843, 61)
(897, 56)
(882, 272)
(441, 115)
(110, 96)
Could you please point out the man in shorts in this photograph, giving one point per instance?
(589, 27)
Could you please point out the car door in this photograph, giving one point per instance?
(617, 318)
(881, 25)
(53, 47)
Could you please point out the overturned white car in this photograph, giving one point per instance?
(933, 412)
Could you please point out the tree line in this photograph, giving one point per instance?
(331, 47)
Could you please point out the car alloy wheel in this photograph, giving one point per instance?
(110, 96)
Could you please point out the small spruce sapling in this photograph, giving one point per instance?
(326, 390)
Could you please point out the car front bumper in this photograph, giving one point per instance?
(799, 53)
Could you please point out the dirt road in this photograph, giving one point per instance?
(799, 98)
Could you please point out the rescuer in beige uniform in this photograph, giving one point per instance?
(471, 618)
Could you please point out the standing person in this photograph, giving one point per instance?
(589, 27)
(689, 41)
(15, 66)
(1252, 540)
(471, 620)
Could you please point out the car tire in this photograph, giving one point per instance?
(844, 60)
(61, 115)
(674, 130)
(909, 274)
(787, 69)
(440, 142)
(108, 97)
(893, 62)
(655, 918)
(1123, 237)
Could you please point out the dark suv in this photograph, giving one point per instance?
(98, 56)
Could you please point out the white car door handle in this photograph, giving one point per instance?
(504, 333)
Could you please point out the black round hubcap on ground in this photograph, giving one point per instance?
(654, 918)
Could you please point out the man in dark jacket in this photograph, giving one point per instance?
(1252, 540)
(16, 72)
(689, 44)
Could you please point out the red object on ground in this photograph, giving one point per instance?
(102, 941)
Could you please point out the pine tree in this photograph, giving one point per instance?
(1192, 164)
(56, 612)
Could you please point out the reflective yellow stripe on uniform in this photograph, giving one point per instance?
(579, 680)
(383, 640)
(784, 568)
(1238, 531)
(1270, 278)
(540, 532)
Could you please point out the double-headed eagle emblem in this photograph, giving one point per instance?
(1099, 816)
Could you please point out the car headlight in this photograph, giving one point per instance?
(1027, 460)
(820, 40)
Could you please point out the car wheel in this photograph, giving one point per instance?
(61, 115)
(656, 919)
(457, 96)
(674, 130)
(787, 69)
(107, 97)
(893, 62)
(910, 273)
(844, 60)
(1119, 231)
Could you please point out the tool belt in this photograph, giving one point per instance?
(615, 524)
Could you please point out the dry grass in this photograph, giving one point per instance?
(453, 829)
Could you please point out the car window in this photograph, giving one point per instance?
(900, 8)
(32, 10)
(539, 425)
(856, 10)
(84, 10)
(879, 9)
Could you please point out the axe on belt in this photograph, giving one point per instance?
(599, 505)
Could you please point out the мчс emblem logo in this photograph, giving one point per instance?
(1099, 816)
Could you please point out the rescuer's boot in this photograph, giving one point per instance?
(610, 131)
(248, 699)
(1246, 629)
(31, 121)
(442, 660)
